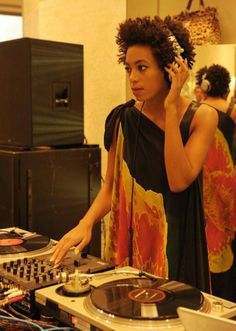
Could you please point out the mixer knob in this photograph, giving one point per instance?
(15, 266)
(217, 306)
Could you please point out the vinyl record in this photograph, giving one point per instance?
(141, 298)
(13, 243)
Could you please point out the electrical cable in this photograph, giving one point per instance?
(34, 325)
(24, 317)
(17, 313)
(4, 311)
(14, 319)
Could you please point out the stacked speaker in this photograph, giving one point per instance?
(48, 176)
(41, 88)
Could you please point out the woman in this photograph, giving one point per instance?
(219, 185)
(157, 145)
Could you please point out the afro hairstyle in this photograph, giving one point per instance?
(219, 78)
(155, 33)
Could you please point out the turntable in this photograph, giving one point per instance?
(122, 299)
(16, 243)
(25, 265)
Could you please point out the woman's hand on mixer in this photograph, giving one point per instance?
(79, 237)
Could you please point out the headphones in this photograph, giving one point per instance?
(205, 84)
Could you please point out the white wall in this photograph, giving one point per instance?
(142, 8)
(10, 27)
(92, 23)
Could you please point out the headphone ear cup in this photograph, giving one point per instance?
(205, 85)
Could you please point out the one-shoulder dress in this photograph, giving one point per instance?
(219, 196)
(168, 228)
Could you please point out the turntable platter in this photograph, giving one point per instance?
(145, 299)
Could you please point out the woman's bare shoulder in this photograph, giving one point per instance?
(206, 110)
(205, 116)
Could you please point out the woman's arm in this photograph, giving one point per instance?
(183, 163)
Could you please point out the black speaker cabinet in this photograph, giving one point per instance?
(41, 84)
(48, 191)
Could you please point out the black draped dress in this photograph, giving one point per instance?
(168, 228)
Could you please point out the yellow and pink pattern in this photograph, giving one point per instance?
(149, 221)
(219, 192)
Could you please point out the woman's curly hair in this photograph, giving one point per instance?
(219, 78)
(155, 32)
(199, 75)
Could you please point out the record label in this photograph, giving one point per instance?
(10, 242)
(146, 295)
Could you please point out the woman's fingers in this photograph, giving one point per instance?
(183, 64)
(178, 70)
(60, 251)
